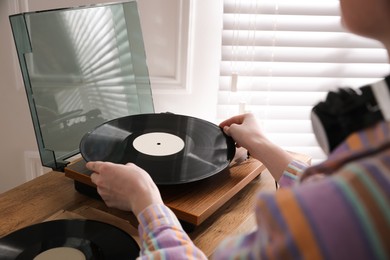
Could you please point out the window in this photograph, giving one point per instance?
(281, 57)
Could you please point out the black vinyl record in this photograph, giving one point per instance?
(92, 239)
(172, 148)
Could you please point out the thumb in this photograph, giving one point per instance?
(226, 130)
(94, 177)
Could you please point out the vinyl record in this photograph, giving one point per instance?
(172, 148)
(69, 239)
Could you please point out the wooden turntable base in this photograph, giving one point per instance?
(193, 202)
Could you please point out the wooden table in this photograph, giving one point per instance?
(52, 196)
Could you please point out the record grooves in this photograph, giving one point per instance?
(172, 148)
(92, 239)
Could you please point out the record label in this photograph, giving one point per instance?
(158, 144)
(61, 253)
(172, 148)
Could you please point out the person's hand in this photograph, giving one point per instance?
(245, 130)
(126, 187)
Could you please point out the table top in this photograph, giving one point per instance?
(53, 196)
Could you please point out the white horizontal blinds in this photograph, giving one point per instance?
(279, 58)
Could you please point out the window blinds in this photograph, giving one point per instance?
(279, 58)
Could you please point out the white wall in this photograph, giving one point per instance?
(194, 95)
(203, 65)
(17, 135)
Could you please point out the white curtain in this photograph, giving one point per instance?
(281, 57)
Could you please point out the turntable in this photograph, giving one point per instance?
(88, 91)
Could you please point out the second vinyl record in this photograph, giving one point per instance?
(69, 239)
(172, 148)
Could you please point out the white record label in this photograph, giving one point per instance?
(61, 253)
(158, 144)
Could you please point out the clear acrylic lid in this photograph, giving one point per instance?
(81, 67)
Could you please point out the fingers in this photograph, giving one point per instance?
(95, 166)
(229, 130)
(239, 119)
(233, 120)
(226, 130)
(227, 124)
(97, 169)
(126, 187)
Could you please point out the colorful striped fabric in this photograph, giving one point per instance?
(339, 209)
(162, 236)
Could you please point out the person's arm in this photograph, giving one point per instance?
(245, 130)
(130, 188)
(292, 173)
(163, 237)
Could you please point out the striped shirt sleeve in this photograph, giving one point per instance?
(162, 236)
(292, 173)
